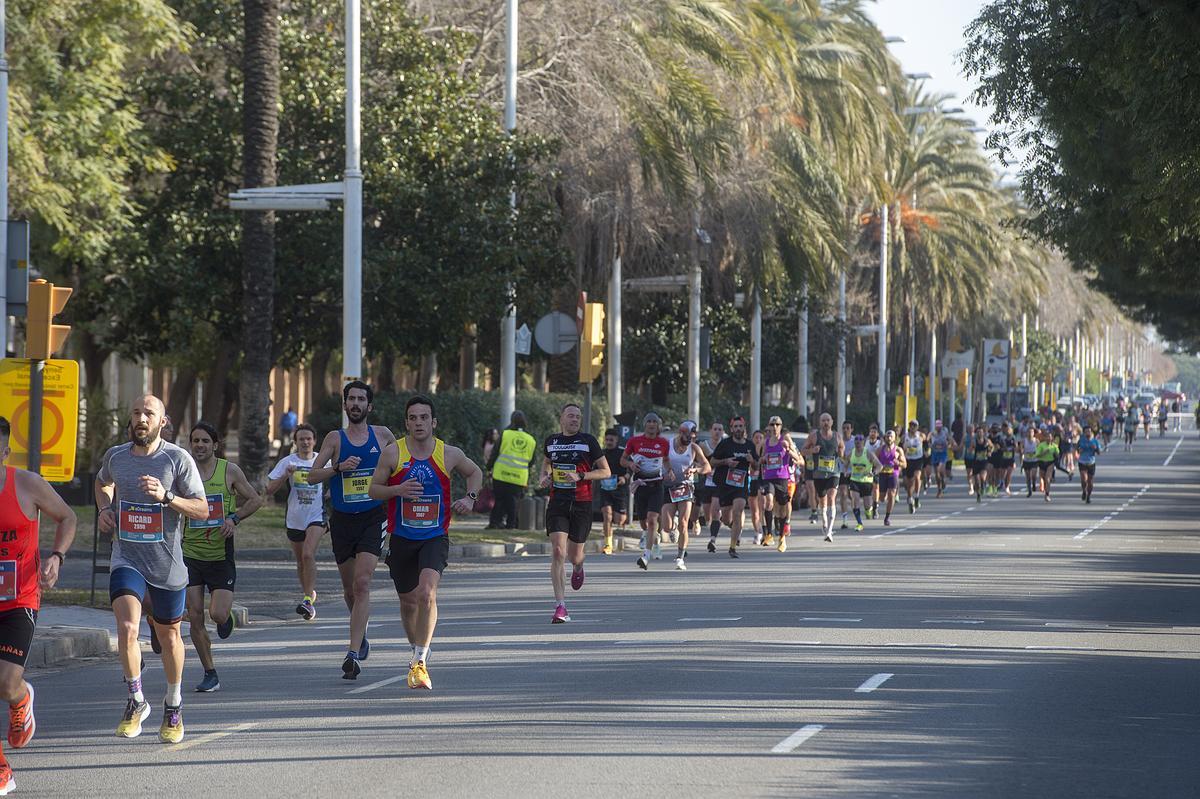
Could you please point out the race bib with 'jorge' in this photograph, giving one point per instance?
(355, 485)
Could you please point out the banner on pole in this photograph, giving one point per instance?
(996, 356)
(955, 362)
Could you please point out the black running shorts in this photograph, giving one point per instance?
(407, 558)
(215, 575)
(572, 518)
(351, 533)
(16, 634)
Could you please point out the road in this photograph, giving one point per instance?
(1008, 648)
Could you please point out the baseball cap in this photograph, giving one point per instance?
(687, 424)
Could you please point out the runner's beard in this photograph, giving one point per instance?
(356, 415)
(144, 439)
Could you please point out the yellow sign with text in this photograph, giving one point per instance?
(60, 415)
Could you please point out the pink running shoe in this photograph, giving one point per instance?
(577, 578)
(560, 615)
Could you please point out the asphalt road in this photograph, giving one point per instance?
(1009, 648)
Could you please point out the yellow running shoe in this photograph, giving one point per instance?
(769, 540)
(782, 544)
(607, 546)
(131, 722)
(171, 731)
(418, 676)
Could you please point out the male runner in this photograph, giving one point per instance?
(778, 458)
(143, 491)
(685, 460)
(412, 478)
(645, 457)
(1107, 422)
(305, 520)
(708, 497)
(825, 448)
(1008, 458)
(982, 449)
(1130, 428)
(571, 460)
(732, 460)
(914, 453)
(844, 487)
(863, 467)
(941, 441)
(358, 524)
(873, 444)
(968, 456)
(1089, 447)
(891, 461)
(613, 489)
(208, 546)
(1047, 454)
(23, 495)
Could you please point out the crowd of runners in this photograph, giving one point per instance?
(173, 512)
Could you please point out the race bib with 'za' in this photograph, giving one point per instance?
(216, 513)
(140, 523)
(355, 485)
(8, 580)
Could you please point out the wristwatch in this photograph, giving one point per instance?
(233, 517)
(168, 497)
(61, 557)
(473, 496)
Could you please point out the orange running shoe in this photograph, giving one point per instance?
(7, 783)
(21, 723)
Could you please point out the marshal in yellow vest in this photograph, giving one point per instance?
(516, 453)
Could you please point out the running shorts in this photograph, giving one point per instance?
(168, 605)
(728, 494)
(351, 533)
(570, 517)
(978, 466)
(938, 458)
(211, 574)
(407, 558)
(780, 489)
(863, 489)
(648, 498)
(614, 499)
(298, 536)
(887, 482)
(1087, 468)
(16, 634)
(825, 484)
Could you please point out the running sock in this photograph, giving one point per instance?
(858, 515)
(420, 653)
(174, 697)
(135, 689)
(352, 654)
(714, 527)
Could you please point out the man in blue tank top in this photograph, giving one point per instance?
(358, 524)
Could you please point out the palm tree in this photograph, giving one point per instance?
(260, 119)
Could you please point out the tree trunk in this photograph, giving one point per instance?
(260, 124)
(318, 371)
(466, 359)
(177, 401)
(385, 382)
(427, 382)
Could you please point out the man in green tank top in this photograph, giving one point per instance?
(208, 545)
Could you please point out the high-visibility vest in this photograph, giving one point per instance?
(516, 453)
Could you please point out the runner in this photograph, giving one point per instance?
(941, 441)
(1130, 427)
(843, 490)
(995, 461)
(914, 454)
(304, 521)
(1008, 458)
(1089, 448)
(208, 550)
(778, 457)
(825, 447)
(708, 498)
(1070, 434)
(614, 491)
(1029, 462)
(645, 457)
(891, 458)
(571, 460)
(760, 493)
(732, 460)
(982, 449)
(926, 461)
(1047, 454)
(358, 524)
(23, 495)
(1164, 411)
(968, 456)
(685, 461)
(864, 466)
(873, 444)
(412, 478)
(143, 491)
(1146, 416)
(1107, 422)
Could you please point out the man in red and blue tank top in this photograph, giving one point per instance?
(412, 479)
(22, 577)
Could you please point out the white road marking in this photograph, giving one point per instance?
(212, 736)
(713, 618)
(790, 643)
(1167, 462)
(795, 739)
(362, 689)
(1073, 624)
(873, 683)
(1074, 648)
(952, 621)
(828, 618)
(918, 645)
(447, 623)
(1088, 531)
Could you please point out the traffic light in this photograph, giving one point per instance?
(43, 338)
(591, 343)
(962, 382)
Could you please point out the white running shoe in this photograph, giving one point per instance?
(680, 565)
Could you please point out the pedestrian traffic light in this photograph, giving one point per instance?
(591, 343)
(43, 338)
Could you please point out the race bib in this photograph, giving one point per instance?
(355, 484)
(649, 467)
(609, 484)
(772, 460)
(913, 452)
(681, 492)
(422, 513)
(300, 478)
(561, 475)
(736, 478)
(1008, 453)
(140, 523)
(860, 469)
(886, 470)
(8, 580)
(827, 464)
(216, 513)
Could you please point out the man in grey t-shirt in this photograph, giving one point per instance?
(143, 491)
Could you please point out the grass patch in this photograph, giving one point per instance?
(77, 596)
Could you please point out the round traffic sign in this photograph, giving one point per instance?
(556, 333)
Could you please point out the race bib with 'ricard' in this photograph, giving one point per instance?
(609, 484)
(140, 523)
(8, 580)
(355, 485)
(827, 464)
(216, 514)
(421, 513)
(736, 478)
(563, 476)
(681, 492)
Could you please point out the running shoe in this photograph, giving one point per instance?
(887, 521)
(225, 628)
(812, 517)
(917, 502)
(979, 497)
(418, 676)
(712, 545)
(680, 565)
(1083, 495)
(131, 722)
(577, 578)
(733, 552)
(911, 509)
(758, 539)
(560, 615)
(768, 540)
(7, 783)
(607, 548)
(155, 644)
(21, 723)
(350, 668)
(1089, 499)
(657, 552)
(844, 527)
(306, 609)
(782, 544)
(829, 536)
(1047, 497)
(858, 528)
(364, 649)
(644, 566)
(642, 542)
(171, 731)
(210, 683)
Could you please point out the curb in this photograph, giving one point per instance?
(54, 645)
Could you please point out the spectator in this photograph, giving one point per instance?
(287, 427)
(509, 466)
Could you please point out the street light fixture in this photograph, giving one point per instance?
(918, 75)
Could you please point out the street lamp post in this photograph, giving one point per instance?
(883, 257)
(508, 324)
